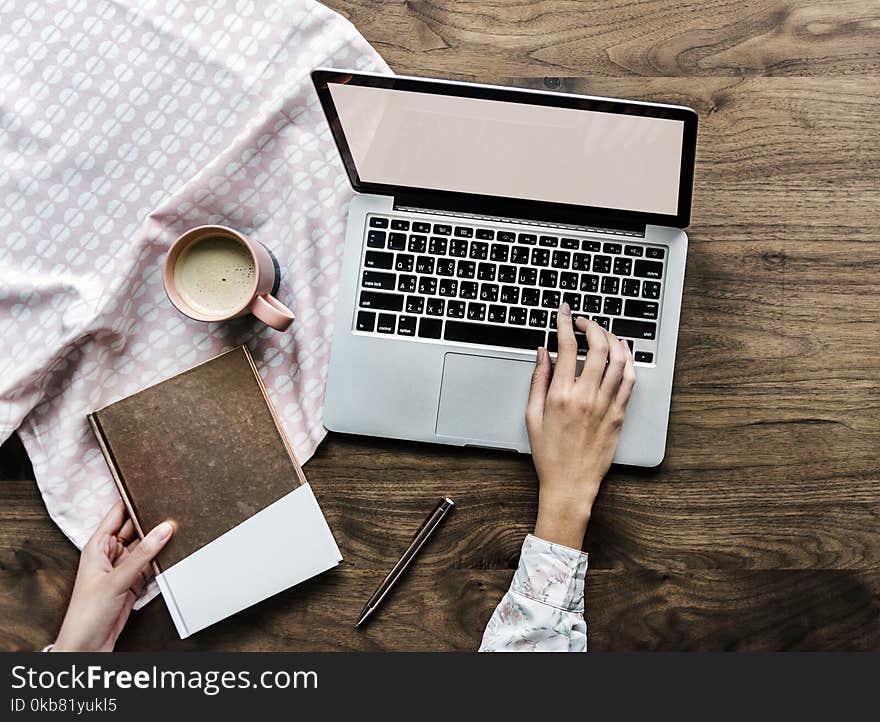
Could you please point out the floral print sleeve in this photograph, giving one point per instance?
(543, 611)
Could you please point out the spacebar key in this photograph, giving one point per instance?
(493, 335)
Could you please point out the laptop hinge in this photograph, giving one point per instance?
(615, 227)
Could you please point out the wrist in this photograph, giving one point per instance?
(563, 520)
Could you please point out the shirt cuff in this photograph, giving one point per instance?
(551, 574)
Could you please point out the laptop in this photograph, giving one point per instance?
(478, 209)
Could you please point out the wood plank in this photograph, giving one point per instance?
(662, 37)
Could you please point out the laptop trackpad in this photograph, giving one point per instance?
(483, 399)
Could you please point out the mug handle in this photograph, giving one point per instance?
(272, 312)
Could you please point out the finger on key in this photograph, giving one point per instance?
(617, 353)
(566, 356)
(597, 354)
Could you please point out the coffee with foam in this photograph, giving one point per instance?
(215, 276)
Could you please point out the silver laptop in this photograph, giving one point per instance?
(478, 210)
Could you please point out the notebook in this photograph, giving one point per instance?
(206, 450)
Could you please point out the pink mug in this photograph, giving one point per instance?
(214, 273)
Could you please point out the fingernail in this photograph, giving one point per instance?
(163, 531)
(565, 308)
(540, 354)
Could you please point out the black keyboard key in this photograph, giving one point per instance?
(488, 292)
(479, 250)
(467, 289)
(418, 244)
(518, 316)
(399, 225)
(506, 236)
(528, 276)
(549, 241)
(427, 285)
(613, 248)
(421, 227)
(366, 320)
(548, 279)
(397, 241)
(455, 309)
(486, 272)
(387, 323)
(510, 294)
(406, 326)
(376, 239)
(610, 285)
(553, 342)
(507, 274)
(528, 239)
(642, 309)
(442, 230)
(644, 357)
(572, 299)
(430, 327)
(377, 259)
(550, 299)
(648, 269)
(580, 262)
(634, 329)
(404, 262)
(415, 304)
(540, 257)
(466, 269)
(435, 306)
(650, 289)
(376, 222)
(448, 287)
(493, 335)
(497, 314)
(381, 301)
(636, 251)
(406, 283)
(458, 248)
(630, 287)
(538, 318)
(519, 255)
(592, 246)
(530, 297)
(425, 264)
(571, 244)
(622, 266)
(603, 321)
(561, 259)
(568, 281)
(476, 311)
(589, 283)
(602, 264)
(655, 252)
(445, 267)
(612, 306)
(377, 279)
(499, 253)
(484, 234)
(592, 304)
(437, 246)
(464, 232)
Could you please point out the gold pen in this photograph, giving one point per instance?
(424, 533)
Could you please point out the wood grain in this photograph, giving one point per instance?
(761, 530)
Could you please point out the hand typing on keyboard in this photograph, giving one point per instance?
(574, 424)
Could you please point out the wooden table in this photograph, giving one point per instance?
(760, 530)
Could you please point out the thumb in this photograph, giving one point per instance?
(138, 560)
(538, 390)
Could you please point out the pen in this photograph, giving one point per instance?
(422, 535)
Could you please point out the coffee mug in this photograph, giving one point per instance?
(214, 273)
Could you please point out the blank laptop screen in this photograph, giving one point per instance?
(513, 150)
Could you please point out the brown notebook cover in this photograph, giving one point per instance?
(203, 448)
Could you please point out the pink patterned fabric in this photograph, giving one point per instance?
(121, 125)
(543, 611)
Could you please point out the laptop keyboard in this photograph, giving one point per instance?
(477, 284)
